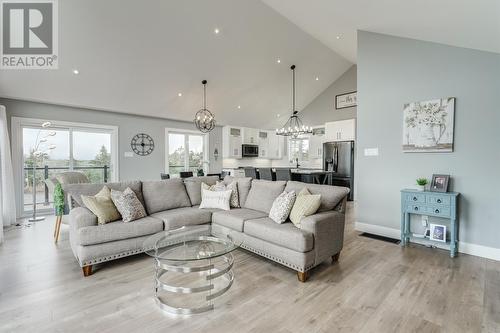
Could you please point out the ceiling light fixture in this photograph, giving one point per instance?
(204, 119)
(317, 78)
(239, 106)
(278, 60)
(293, 126)
(179, 94)
(76, 71)
(216, 31)
(338, 37)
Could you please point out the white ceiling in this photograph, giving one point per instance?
(464, 23)
(136, 56)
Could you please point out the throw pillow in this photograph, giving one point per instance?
(102, 206)
(128, 205)
(282, 206)
(215, 199)
(234, 202)
(306, 204)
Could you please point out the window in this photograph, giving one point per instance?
(78, 147)
(299, 149)
(186, 151)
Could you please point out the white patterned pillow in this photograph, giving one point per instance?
(282, 206)
(215, 199)
(220, 186)
(128, 205)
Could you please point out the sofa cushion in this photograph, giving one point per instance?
(286, 234)
(330, 195)
(235, 218)
(102, 206)
(244, 184)
(162, 195)
(118, 230)
(179, 217)
(263, 193)
(193, 187)
(77, 190)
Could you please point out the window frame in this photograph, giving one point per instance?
(17, 146)
(186, 134)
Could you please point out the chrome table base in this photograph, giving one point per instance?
(208, 273)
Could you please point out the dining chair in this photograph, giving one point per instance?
(251, 172)
(215, 174)
(164, 176)
(186, 174)
(283, 174)
(266, 173)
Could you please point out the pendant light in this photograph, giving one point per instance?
(293, 126)
(204, 119)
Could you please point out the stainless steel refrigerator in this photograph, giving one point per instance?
(338, 157)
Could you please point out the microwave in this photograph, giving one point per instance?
(249, 150)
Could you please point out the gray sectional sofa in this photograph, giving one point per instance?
(173, 203)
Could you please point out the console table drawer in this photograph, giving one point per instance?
(439, 211)
(416, 198)
(416, 209)
(438, 200)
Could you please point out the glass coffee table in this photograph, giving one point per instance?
(192, 268)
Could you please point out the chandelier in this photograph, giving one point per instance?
(204, 119)
(293, 126)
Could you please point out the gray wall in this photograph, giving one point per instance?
(322, 108)
(137, 167)
(393, 71)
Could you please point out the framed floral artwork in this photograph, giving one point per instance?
(428, 126)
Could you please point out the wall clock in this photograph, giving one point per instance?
(142, 144)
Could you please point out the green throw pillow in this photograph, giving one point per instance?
(306, 204)
(102, 206)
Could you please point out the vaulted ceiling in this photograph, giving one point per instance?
(137, 56)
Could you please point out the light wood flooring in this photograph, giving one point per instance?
(375, 287)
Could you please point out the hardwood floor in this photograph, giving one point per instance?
(374, 287)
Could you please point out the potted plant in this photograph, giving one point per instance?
(421, 182)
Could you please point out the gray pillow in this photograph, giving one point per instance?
(243, 184)
(128, 205)
(330, 195)
(263, 193)
(163, 195)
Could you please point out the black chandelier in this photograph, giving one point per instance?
(204, 119)
(293, 126)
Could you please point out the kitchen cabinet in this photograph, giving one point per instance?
(263, 142)
(316, 140)
(232, 139)
(250, 136)
(276, 144)
(343, 130)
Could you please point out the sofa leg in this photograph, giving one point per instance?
(87, 270)
(335, 257)
(302, 276)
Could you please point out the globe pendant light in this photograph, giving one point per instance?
(293, 126)
(204, 119)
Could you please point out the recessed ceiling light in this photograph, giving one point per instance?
(216, 31)
(278, 60)
(179, 94)
(317, 78)
(76, 71)
(239, 106)
(338, 37)
(278, 115)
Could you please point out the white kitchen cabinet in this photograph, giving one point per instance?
(232, 139)
(250, 136)
(263, 141)
(316, 141)
(276, 145)
(343, 130)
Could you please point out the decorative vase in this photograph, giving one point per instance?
(421, 188)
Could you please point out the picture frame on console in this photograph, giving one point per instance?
(437, 233)
(440, 183)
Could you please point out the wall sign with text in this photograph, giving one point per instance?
(347, 100)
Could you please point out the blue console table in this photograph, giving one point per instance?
(437, 204)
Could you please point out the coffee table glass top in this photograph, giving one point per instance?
(189, 243)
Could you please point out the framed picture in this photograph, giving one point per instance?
(439, 183)
(428, 126)
(347, 100)
(438, 233)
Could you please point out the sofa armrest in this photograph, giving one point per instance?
(80, 217)
(328, 231)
